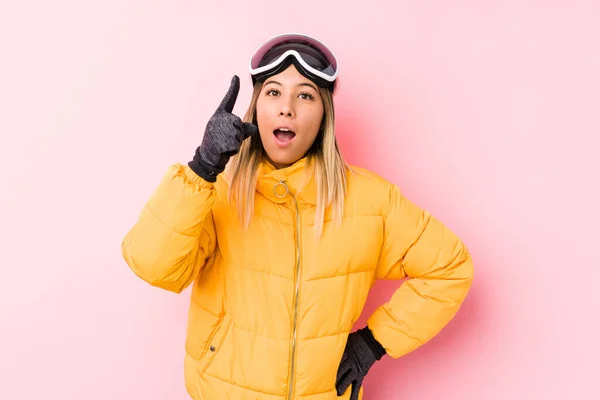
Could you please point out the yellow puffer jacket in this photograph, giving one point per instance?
(271, 307)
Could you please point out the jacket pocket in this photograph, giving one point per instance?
(214, 343)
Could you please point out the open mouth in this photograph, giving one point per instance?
(284, 135)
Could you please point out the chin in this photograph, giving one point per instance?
(282, 160)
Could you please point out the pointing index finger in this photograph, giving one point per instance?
(231, 96)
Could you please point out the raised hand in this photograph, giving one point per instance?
(223, 137)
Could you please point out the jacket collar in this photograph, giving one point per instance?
(298, 179)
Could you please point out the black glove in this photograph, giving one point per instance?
(223, 137)
(362, 350)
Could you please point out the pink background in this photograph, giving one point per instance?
(486, 113)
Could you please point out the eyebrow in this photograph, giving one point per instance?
(300, 84)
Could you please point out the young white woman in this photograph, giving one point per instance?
(281, 240)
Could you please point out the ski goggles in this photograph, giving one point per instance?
(310, 57)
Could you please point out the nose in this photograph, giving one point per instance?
(286, 109)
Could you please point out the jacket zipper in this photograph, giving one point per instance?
(297, 290)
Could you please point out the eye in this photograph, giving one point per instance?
(306, 96)
(272, 92)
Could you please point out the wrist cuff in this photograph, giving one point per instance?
(377, 349)
(204, 170)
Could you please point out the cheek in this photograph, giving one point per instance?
(313, 122)
(261, 119)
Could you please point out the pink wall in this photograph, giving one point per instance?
(486, 113)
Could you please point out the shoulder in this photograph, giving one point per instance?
(369, 188)
(362, 179)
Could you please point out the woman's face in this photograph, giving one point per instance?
(289, 111)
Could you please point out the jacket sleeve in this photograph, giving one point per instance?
(439, 269)
(174, 235)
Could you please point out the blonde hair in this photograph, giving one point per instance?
(329, 167)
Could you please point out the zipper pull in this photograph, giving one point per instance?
(278, 185)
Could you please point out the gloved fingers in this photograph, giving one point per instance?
(345, 366)
(230, 153)
(230, 147)
(243, 129)
(342, 387)
(231, 96)
(344, 357)
(249, 130)
(234, 146)
(345, 377)
(355, 390)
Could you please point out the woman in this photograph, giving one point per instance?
(281, 241)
